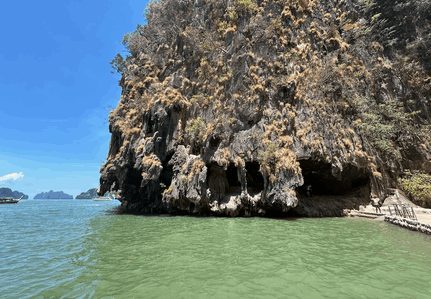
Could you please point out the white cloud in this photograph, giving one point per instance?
(15, 176)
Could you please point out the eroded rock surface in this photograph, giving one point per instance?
(234, 107)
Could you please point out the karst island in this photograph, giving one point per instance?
(215, 149)
(270, 108)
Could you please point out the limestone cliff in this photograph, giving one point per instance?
(233, 107)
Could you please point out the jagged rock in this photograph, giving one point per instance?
(234, 107)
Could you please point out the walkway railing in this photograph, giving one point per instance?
(403, 211)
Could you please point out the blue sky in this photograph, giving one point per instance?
(57, 88)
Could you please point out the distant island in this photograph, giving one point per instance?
(7, 192)
(53, 195)
(90, 194)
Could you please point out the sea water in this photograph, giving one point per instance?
(72, 249)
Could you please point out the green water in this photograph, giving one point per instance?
(51, 249)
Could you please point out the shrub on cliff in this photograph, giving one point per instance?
(249, 5)
(196, 133)
(418, 187)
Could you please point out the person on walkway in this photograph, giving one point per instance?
(309, 190)
(375, 202)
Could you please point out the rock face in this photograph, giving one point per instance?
(242, 107)
(6, 192)
(53, 195)
(90, 194)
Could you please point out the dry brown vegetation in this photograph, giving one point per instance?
(331, 76)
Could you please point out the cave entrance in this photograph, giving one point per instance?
(255, 181)
(232, 179)
(319, 175)
(167, 172)
(223, 181)
(133, 181)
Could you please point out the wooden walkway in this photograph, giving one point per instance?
(410, 224)
(407, 216)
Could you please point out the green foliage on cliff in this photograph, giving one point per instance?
(118, 64)
(196, 132)
(249, 5)
(387, 126)
(418, 187)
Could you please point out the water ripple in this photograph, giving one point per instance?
(79, 250)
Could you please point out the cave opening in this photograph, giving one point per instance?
(168, 172)
(132, 182)
(232, 179)
(319, 176)
(223, 181)
(255, 181)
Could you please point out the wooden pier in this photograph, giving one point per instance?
(407, 217)
(399, 210)
(410, 224)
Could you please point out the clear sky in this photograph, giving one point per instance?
(57, 88)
